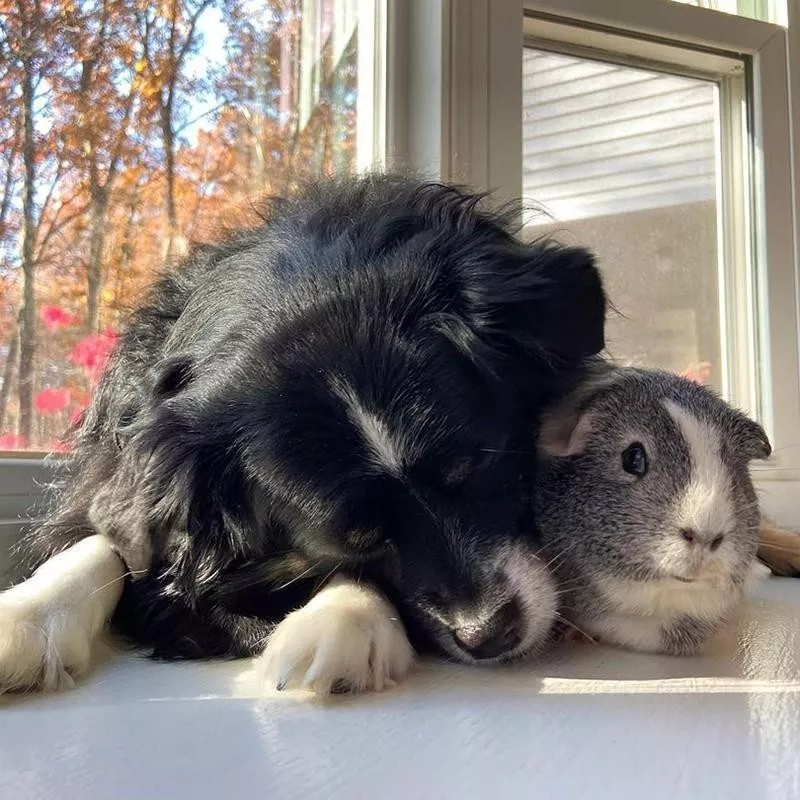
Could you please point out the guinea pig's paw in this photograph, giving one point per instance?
(687, 635)
(347, 638)
(41, 647)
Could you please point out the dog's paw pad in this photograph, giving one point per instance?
(345, 640)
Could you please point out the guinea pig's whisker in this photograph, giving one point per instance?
(129, 573)
(322, 582)
(421, 500)
(504, 452)
(548, 548)
(565, 587)
(559, 557)
(297, 577)
(785, 448)
(569, 623)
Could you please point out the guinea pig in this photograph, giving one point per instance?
(646, 509)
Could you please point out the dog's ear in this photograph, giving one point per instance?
(546, 299)
(175, 476)
(172, 375)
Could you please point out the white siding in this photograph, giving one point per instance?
(602, 139)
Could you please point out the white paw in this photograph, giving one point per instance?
(347, 638)
(48, 623)
(40, 647)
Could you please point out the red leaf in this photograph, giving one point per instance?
(55, 317)
(93, 351)
(699, 372)
(10, 441)
(49, 400)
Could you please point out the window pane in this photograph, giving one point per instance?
(766, 10)
(186, 112)
(624, 160)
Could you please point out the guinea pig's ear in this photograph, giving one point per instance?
(552, 300)
(564, 431)
(750, 438)
(566, 426)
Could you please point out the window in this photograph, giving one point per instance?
(704, 270)
(151, 126)
(625, 159)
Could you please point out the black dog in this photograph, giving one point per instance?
(346, 392)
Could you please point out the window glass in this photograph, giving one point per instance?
(151, 125)
(623, 160)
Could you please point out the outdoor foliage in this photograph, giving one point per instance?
(130, 129)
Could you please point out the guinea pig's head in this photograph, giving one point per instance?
(644, 476)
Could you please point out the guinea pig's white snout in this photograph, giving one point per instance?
(696, 554)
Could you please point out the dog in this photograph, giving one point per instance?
(312, 444)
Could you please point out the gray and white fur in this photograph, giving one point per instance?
(645, 505)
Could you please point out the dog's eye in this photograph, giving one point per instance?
(458, 472)
(634, 459)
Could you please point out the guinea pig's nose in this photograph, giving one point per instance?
(491, 636)
(691, 537)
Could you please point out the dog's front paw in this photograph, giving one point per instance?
(41, 648)
(347, 638)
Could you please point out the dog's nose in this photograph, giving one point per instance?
(491, 636)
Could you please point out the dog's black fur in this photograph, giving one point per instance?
(347, 387)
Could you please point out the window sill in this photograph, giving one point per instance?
(587, 722)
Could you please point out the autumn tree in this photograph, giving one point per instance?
(31, 40)
(169, 35)
(97, 97)
(10, 143)
(123, 134)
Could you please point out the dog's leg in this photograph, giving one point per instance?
(779, 549)
(49, 622)
(347, 637)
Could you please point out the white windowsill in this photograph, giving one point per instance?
(589, 722)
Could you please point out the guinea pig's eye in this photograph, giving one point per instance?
(634, 459)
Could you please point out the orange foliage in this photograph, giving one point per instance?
(253, 122)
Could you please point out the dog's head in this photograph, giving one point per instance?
(378, 421)
(392, 436)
